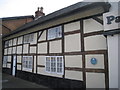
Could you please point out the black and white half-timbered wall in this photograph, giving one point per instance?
(65, 49)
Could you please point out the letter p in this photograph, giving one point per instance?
(110, 19)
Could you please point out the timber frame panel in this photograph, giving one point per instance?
(82, 52)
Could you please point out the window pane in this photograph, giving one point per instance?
(54, 64)
(48, 64)
(27, 62)
(5, 59)
(55, 32)
(28, 38)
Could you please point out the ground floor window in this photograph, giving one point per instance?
(5, 59)
(54, 64)
(27, 63)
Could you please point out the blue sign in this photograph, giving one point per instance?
(93, 61)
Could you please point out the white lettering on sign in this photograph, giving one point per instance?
(111, 20)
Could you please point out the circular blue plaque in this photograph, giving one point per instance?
(93, 61)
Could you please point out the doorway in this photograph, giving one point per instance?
(14, 65)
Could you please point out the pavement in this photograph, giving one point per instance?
(9, 81)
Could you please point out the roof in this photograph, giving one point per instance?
(17, 17)
(80, 6)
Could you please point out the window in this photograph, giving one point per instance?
(27, 63)
(6, 43)
(54, 64)
(55, 32)
(28, 38)
(59, 64)
(48, 64)
(5, 59)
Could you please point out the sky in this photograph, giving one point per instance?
(10, 8)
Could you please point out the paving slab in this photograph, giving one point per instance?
(9, 81)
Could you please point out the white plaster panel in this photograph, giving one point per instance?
(43, 36)
(91, 25)
(100, 61)
(5, 51)
(43, 72)
(72, 43)
(27, 70)
(14, 41)
(55, 46)
(9, 50)
(20, 40)
(14, 50)
(18, 67)
(8, 65)
(25, 48)
(10, 42)
(75, 75)
(19, 49)
(95, 80)
(32, 49)
(34, 64)
(72, 26)
(19, 59)
(41, 60)
(73, 61)
(97, 42)
(35, 39)
(42, 48)
(113, 57)
(9, 58)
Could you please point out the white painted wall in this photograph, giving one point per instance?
(42, 47)
(32, 49)
(113, 60)
(18, 67)
(20, 40)
(56, 46)
(14, 41)
(34, 64)
(113, 49)
(43, 36)
(91, 22)
(25, 48)
(119, 61)
(19, 49)
(100, 61)
(73, 61)
(75, 75)
(5, 51)
(42, 71)
(72, 26)
(19, 59)
(97, 42)
(95, 80)
(72, 43)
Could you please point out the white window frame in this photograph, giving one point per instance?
(29, 38)
(54, 64)
(54, 33)
(27, 60)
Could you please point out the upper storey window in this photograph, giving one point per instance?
(54, 33)
(28, 38)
